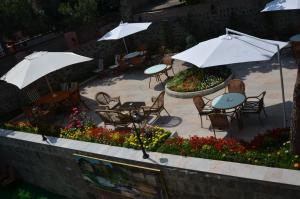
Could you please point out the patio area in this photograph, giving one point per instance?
(184, 119)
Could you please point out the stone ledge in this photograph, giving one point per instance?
(195, 93)
(157, 160)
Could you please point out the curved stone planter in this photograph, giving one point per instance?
(195, 93)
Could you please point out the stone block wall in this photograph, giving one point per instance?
(210, 18)
(50, 165)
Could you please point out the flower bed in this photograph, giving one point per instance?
(81, 127)
(197, 79)
(270, 149)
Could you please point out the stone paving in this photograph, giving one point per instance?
(258, 76)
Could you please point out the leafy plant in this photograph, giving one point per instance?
(21, 126)
(196, 79)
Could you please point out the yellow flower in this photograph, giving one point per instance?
(269, 155)
(278, 153)
(296, 165)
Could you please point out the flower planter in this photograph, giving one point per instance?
(195, 93)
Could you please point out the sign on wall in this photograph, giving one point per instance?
(128, 180)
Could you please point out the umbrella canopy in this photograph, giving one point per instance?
(125, 29)
(234, 48)
(282, 5)
(39, 64)
(229, 49)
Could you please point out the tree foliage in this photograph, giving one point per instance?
(38, 16)
(17, 15)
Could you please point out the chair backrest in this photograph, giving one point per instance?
(199, 103)
(33, 95)
(162, 50)
(167, 60)
(113, 117)
(236, 86)
(102, 98)
(261, 97)
(142, 47)
(159, 101)
(136, 61)
(219, 121)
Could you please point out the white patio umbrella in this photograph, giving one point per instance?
(233, 48)
(39, 64)
(282, 5)
(123, 30)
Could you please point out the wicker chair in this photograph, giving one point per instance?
(169, 62)
(219, 121)
(143, 49)
(137, 61)
(236, 86)
(203, 107)
(114, 118)
(255, 105)
(156, 107)
(107, 102)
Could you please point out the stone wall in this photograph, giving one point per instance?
(50, 165)
(210, 18)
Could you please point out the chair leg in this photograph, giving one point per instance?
(173, 71)
(214, 132)
(259, 117)
(167, 111)
(265, 112)
(149, 81)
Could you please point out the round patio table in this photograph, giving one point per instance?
(295, 38)
(228, 101)
(155, 71)
(132, 55)
(56, 97)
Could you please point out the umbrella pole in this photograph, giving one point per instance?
(49, 86)
(125, 45)
(282, 88)
(280, 68)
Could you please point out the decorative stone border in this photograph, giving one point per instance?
(195, 93)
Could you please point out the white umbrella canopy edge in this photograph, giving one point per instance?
(221, 53)
(39, 64)
(125, 29)
(222, 50)
(278, 5)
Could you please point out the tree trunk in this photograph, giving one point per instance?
(295, 119)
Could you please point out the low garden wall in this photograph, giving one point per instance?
(51, 165)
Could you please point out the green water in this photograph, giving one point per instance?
(27, 191)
